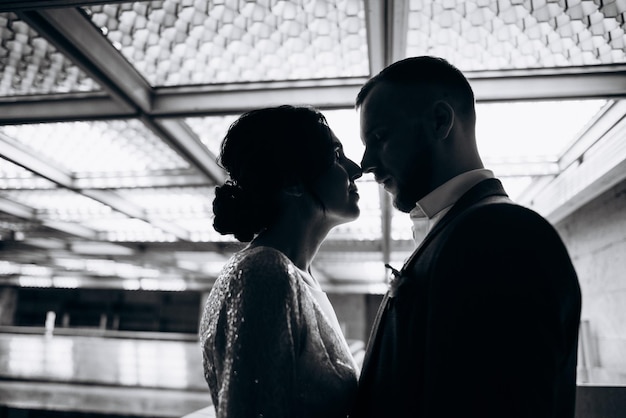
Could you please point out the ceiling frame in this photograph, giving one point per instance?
(72, 33)
(19, 155)
(127, 95)
(601, 82)
(21, 5)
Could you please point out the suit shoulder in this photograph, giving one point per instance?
(504, 230)
(491, 239)
(503, 209)
(501, 217)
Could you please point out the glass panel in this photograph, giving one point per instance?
(520, 141)
(171, 203)
(12, 176)
(29, 64)
(187, 207)
(497, 35)
(100, 147)
(201, 229)
(60, 204)
(345, 124)
(174, 42)
(531, 131)
(130, 230)
(211, 130)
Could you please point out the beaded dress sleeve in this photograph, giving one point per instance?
(251, 337)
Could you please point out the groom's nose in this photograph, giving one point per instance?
(368, 162)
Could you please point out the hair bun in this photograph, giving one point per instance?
(233, 212)
(229, 191)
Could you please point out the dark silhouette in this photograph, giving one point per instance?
(482, 320)
(271, 342)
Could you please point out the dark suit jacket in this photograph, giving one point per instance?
(482, 322)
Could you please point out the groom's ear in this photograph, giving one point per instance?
(443, 118)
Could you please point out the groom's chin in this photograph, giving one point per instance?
(402, 205)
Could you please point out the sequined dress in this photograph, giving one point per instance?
(268, 348)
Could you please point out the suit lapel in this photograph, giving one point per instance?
(484, 189)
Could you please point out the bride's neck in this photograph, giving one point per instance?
(299, 241)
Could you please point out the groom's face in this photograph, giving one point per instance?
(398, 143)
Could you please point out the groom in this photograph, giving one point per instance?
(482, 320)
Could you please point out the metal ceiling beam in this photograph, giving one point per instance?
(602, 81)
(61, 107)
(72, 228)
(398, 23)
(598, 82)
(17, 209)
(162, 179)
(376, 21)
(242, 97)
(22, 156)
(169, 102)
(22, 5)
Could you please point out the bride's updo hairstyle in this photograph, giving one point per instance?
(264, 151)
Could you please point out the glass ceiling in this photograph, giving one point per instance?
(133, 182)
(499, 35)
(31, 65)
(98, 148)
(174, 42)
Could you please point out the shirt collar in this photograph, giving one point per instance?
(448, 193)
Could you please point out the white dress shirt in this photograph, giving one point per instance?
(432, 207)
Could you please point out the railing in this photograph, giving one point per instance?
(92, 373)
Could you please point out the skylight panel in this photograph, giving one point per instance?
(173, 42)
(30, 64)
(99, 147)
(531, 131)
(498, 35)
